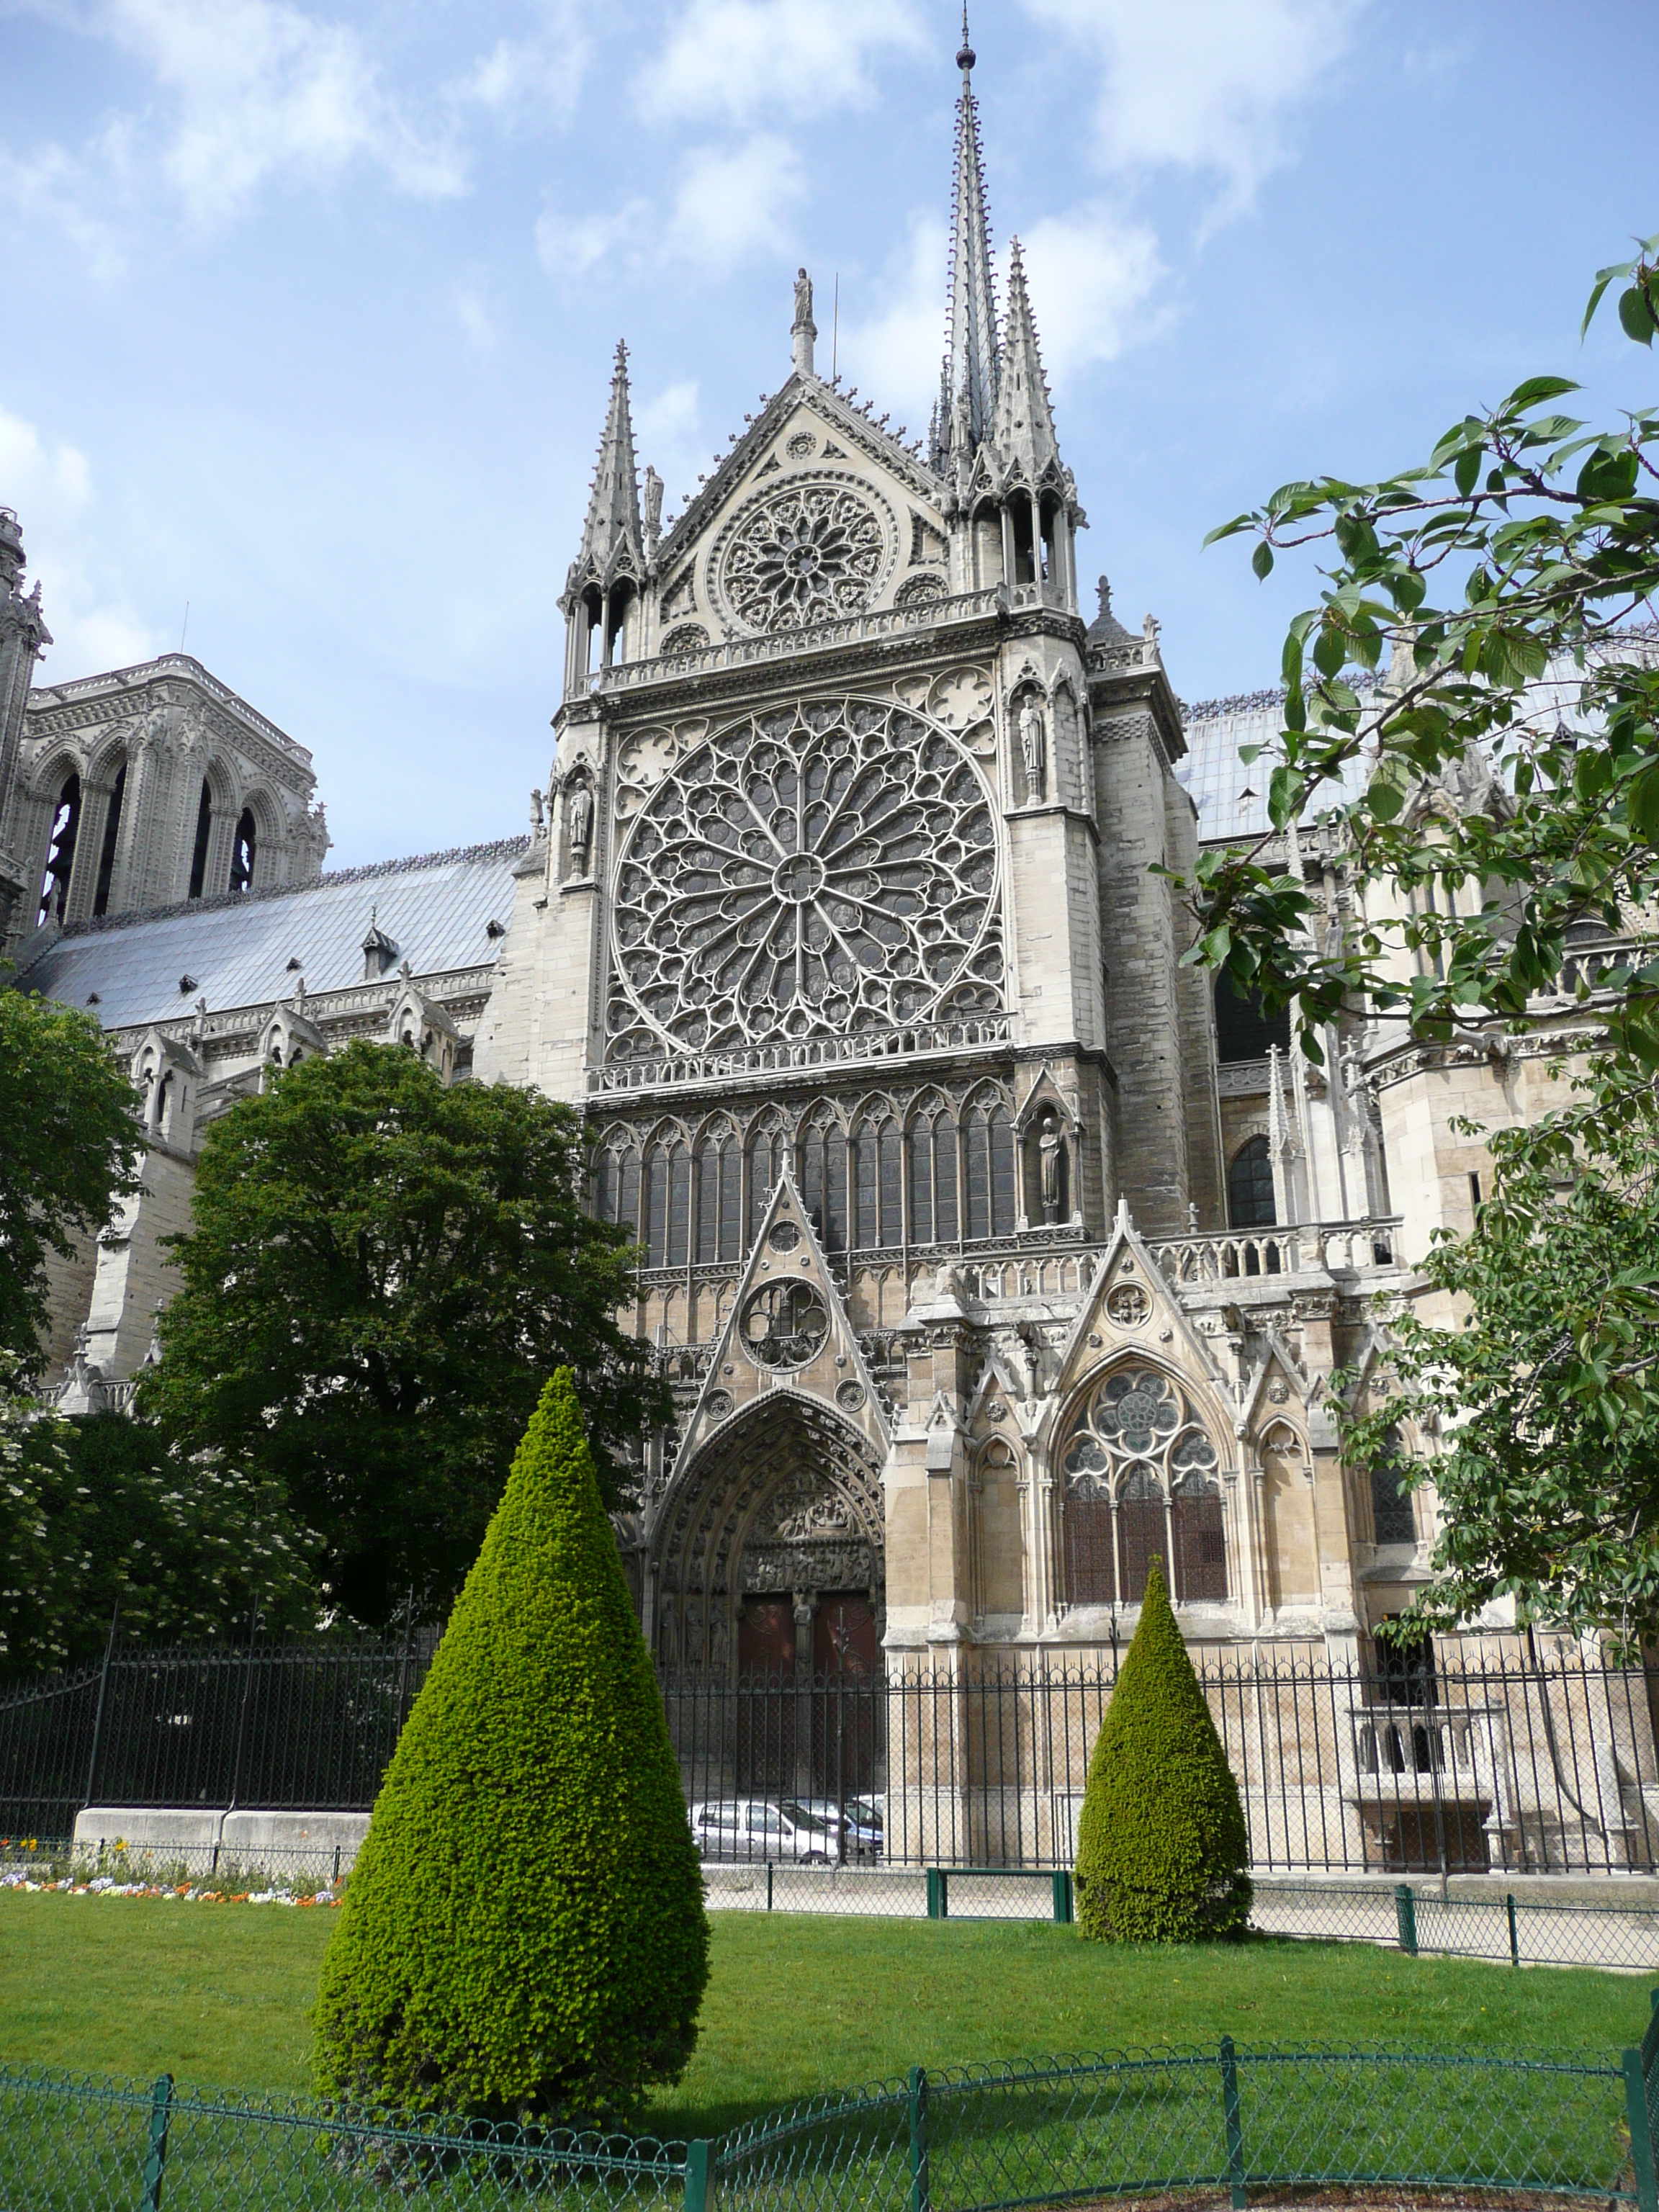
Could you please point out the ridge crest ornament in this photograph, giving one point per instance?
(807, 872)
(808, 555)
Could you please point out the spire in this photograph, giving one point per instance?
(613, 512)
(1024, 423)
(969, 385)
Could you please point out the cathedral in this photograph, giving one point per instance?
(989, 1250)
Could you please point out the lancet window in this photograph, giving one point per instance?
(949, 1178)
(1139, 1482)
(60, 857)
(203, 831)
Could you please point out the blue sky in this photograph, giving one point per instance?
(310, 308)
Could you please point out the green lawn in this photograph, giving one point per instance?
(797, 2003)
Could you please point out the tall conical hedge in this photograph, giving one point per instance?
(1162, 1846)
(522, 1935)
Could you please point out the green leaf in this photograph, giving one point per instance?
(1603, 278)
(1537, 388)
(1466, 473)
(1636, 315)
(1644, 805)
(1262, 560)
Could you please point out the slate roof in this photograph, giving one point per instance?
(1230, 794)
(435, 909)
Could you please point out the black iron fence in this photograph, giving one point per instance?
(1474, 1761)
(292, 1725)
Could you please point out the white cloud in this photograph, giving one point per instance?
(1204, 85)
(1091, 273)
(92, 625)
(738, 57)
(472, 313)
(734, 202)
(572, 246)
(896, 351)
(668, 434)
(541, 75)
(251, 89)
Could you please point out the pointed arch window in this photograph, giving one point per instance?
(60, 853)
(112, 834)
(1140, 1470)
(242, 852)
(1250, 1201)
(863, 1166)
(1393, 1519)
(720, 1179)
(766, 1165)
(203, 831)
(823, 1184)
(990, 1173)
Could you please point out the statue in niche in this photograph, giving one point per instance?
(694, 1634)
(1049, 1141)
(1034, 748)
(579, 820)
(668, 1632)
(720, 1641)
(652, 503)
(802, 298)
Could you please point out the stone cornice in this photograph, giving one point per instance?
(125, 689)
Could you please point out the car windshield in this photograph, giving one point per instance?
(810, 1813)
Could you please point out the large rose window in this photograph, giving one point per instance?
(806, 873)
(810, 555)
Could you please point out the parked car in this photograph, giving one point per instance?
(852, 1819)
(761, 1828)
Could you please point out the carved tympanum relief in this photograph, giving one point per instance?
(815, 871)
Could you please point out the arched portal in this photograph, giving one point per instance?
(769, 1583)
(769, 1556)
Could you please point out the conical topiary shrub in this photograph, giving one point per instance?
(1161, 1845)
(522, 1935)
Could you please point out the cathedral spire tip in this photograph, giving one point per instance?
(966, 55)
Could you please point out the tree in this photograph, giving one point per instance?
(1527, 542)
(1162, 1847)
(379, 1270)
(1542, 1397)
(97, 1511)
(70, 1141)
(524, 1935)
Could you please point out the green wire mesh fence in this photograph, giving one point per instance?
(955, 2139)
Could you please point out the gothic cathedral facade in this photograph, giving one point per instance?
(984, 1266)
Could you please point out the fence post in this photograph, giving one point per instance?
(1405, 1913)
(921, 2188)
(699, 2175)
(1641, 2139)
(1062, 1880)
(103, 1700)
(241, 1717)
(161, 2116)
(938, 1899)
(1514, 1933)
(1235, 2124)
(769, 1885)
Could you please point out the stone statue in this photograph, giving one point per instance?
(652, 503)
(537, 822)
(1048, 1144)
(579, 818)
(1034, 748)
(802, 298)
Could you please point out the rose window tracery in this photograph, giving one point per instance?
(812, 872)
(810, 555)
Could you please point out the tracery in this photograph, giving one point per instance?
(815, 871)
(1139, 1481)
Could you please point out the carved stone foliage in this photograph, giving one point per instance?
(812, 872)
(812, 554)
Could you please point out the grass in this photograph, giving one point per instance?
(796, 2003)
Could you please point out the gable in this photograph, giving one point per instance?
(816, 515)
